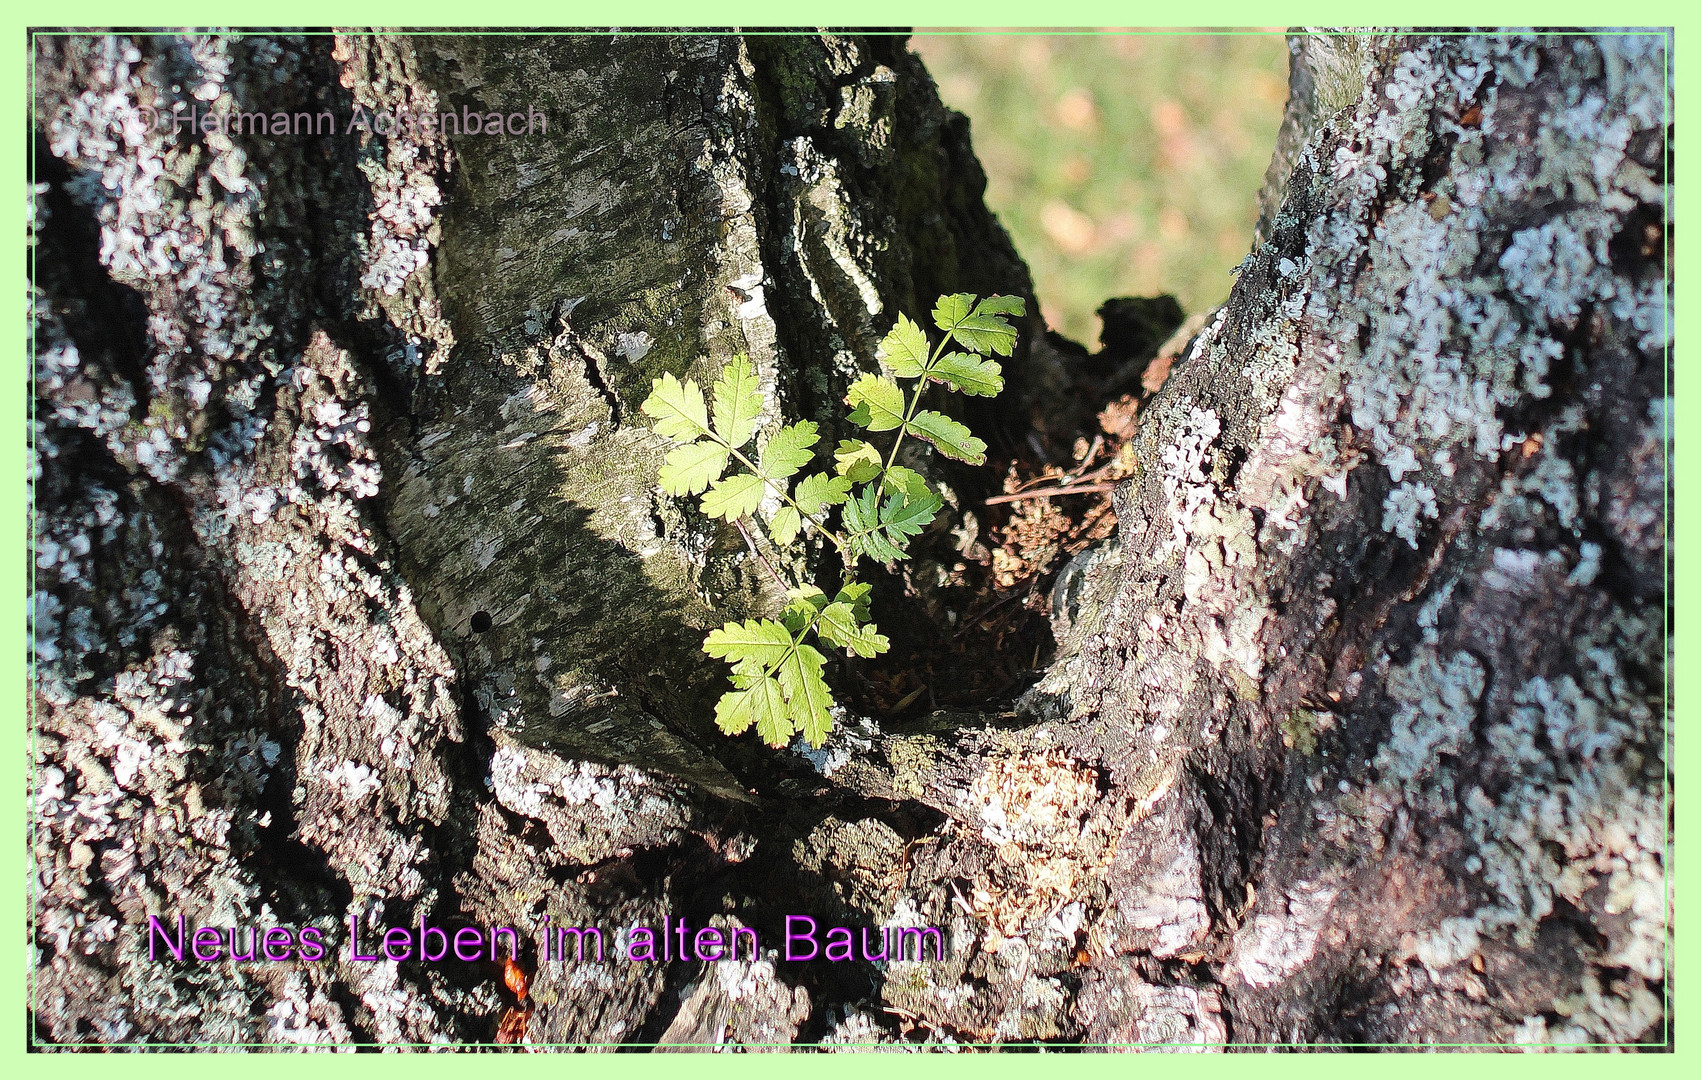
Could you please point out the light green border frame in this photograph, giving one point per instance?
(1069, 16)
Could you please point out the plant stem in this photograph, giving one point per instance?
(778, 580)
(791, 651)
(820, 527)
(915, 400)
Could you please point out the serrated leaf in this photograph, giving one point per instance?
(862, 522)
(746, 673)
(677, 408)
(838, 626)
(809, 592)
(882, 530)
(869, 642)
(951, 310)
(801, 607)
(902, 516)
(734, 497)
(981, 327)
(906, 481)
(878, 401)
(986, 334)
(856, 595)
(761, 640)
(783, 526)
(970, 374)
(808, 595)
(737, 401)
(876, 546)
(796, 616)
(692, 467)
(807, 694)
(818, 491)
(857, 461)
(762, 704)
(951, 438)
(1002, 305)
(788, 450)
(904, 350)
(776, 728)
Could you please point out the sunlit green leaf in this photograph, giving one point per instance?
(788, 450)
(951, 310)
(761, 704)
(904, 350)
(981, 327)
(817, 491)
(906, 481)
(807, 694)
(692, 467)
(762, 640)
(1002, 305)
(737, 402)
(882, 530)
(734, 497)
(866, 537)
(950, 437)
(838, 625)
(856, 595)
(677, 408)
(903, 517)
(801, 607)
(783, 526)
(971, 374)
(857, 461)
(878, 401)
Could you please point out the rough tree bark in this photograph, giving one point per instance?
(355, 599)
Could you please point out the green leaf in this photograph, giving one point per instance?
(788, 450)
(907, 481)
(747, 673)
(737, 401)
(677, 408)
(856, 595)
(882, 530)
(734, 497)
(862, 520)
(904, 350)
(762, 640)
(971, 374)
(857, 461)
(951, 310)
(952, 438)
(903, 517)
(817, 491)
(1002, 305)
(761, 704)
(838, 626)
(879, 403)
(783, 526)
(807, 694)
(981, 327)
(804, 602)
(692, 467)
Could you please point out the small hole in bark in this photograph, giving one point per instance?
(481, 622)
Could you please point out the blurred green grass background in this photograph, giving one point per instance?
(1122, 164)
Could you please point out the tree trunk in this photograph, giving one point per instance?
(357, 606)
